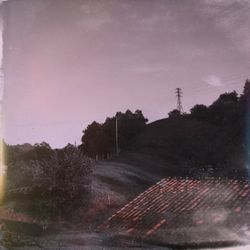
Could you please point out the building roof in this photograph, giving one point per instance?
(186, 210)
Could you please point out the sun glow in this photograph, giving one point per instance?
(2, 171)
(2, 164)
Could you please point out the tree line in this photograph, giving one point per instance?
(210, 138)
(100, 139)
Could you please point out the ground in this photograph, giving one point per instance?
(113, 184)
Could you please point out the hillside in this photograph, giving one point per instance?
(208, 141)
(187, 146)
(113, 184)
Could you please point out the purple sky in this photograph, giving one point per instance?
(67, 63)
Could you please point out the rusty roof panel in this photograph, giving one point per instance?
(174, 203)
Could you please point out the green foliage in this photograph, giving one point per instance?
(174, 113)
(100, 139)
(54, 184)
(22, 235)
(65, 176)
(225, 109)
(27, 152)
(130, 125)
(213, 138)
(199, 112)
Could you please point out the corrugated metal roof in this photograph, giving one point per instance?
(176, 203)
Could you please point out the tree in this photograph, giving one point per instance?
(58, 185)
(174, 113)
(93, 140)
(130, 125)
(246, 90)
(66, 176)
(245, 99)
(225, 109)
(245, 118)
(100, 139)
(199, 112)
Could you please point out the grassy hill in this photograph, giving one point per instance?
(182, 146)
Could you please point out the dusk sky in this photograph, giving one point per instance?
(67, 63)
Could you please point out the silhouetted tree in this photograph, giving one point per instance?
(93, 139)
(100, 139)
(130, 124)
(199, 112)
(245, 120)
(225, 109)
(174, 113)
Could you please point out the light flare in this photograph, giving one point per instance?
(2, 171)
(2, 162)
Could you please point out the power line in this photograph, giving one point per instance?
(225, 83)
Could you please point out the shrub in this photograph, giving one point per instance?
(61, 181)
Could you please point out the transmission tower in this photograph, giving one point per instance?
(178, 92)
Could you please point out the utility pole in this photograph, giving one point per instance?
(179, 95)
(116, 137)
